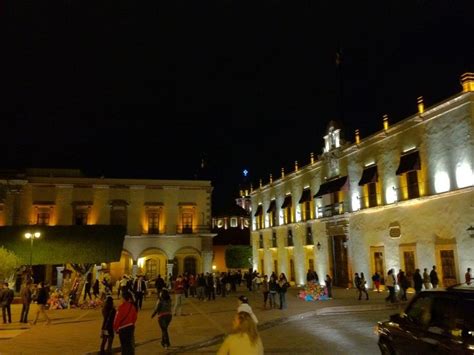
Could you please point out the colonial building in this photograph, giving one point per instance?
(232, 227)
(401, 198)
(167, 221)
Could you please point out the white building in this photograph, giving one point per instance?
(402, 198)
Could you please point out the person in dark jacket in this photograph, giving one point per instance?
(163, 309)
(26, 298)
(273, 289)
(6, 299)
(404, 284)
(328, 282)
(418, 281)
(42, 300)
(139, 289)
(159, 284)
(434, 277)
(95, 289)
(107, 334)
(88, 286)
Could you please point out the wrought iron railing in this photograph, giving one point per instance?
(331, 210)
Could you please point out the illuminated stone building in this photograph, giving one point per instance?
(232, 227)
(167, 221)
(401, 198)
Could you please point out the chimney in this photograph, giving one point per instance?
(296, 165)
(282, 173)
(467, 82)
(385, 122)
(421, 105)
(311, 157)
(357, 136)
(261, 183)
(271, 178)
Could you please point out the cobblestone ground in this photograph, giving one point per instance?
(203, 324)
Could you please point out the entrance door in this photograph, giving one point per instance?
(448, 267)
(379, 263)
(151, 269)
(190, 265)
(292, 270)
(409, 261)
(340, 261)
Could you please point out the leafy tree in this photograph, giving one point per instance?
(238, 256)
(9, 263)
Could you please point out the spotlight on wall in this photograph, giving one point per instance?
(318, 246)
(470, 230)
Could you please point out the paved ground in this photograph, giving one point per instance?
(304, 328)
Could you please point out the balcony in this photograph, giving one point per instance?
(184, 229)
(331, 210)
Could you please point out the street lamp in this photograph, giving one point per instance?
(32, 237)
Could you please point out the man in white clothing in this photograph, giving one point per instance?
(245, 307)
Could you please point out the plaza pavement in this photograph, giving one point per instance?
(202, 325)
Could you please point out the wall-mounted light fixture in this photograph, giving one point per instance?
(470, 230)
(318, 246)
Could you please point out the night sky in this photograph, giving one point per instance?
(146, 88)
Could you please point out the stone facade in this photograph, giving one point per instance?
(402, 198)
(168, 221)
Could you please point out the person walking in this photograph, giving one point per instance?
(265, 290)
(244, 338)
(163, 309)
(468, 276)
(95, 289)
(404, 284)
(178, 296)
(418, 281)
(282, 288)
(245, 307)
(211, 293)
(376, 281)
(88, 286)
(159, 285)
(42, 300)
(107, 329)
(390, 282)
(363, 287)
(124, 324)
(26, 298)
(273, 289)
(6, 299)
(426, 279)
(139, 289)
(328, 282)
(434, 277)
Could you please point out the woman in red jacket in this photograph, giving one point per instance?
(124, 324)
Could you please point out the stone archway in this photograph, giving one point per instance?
(152, 262)
(188, 259)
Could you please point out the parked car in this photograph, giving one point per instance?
(437, 321)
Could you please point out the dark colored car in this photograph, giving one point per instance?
(434, 322)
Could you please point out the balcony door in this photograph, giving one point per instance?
(340, 260)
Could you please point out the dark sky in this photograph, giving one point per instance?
(144, 88)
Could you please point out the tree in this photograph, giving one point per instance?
(238, 256)
(10, 263)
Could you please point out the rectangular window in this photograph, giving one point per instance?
(372, 192)
(153, 222)
(287, 215)
(309, 236)
(42, 218)
(260, 241)
(306, 210)
(233, 222)
(412, 184)
(187, 222)
(290, 238)
(274, 240)
(118, 216)
(80, 218)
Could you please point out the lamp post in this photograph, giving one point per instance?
(32, 237)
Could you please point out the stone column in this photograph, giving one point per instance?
(135, 268)
(268, 257)
(169, 268)
(207, 261)
(59, 282)
(299, 258)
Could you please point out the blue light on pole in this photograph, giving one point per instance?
(245, 172)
